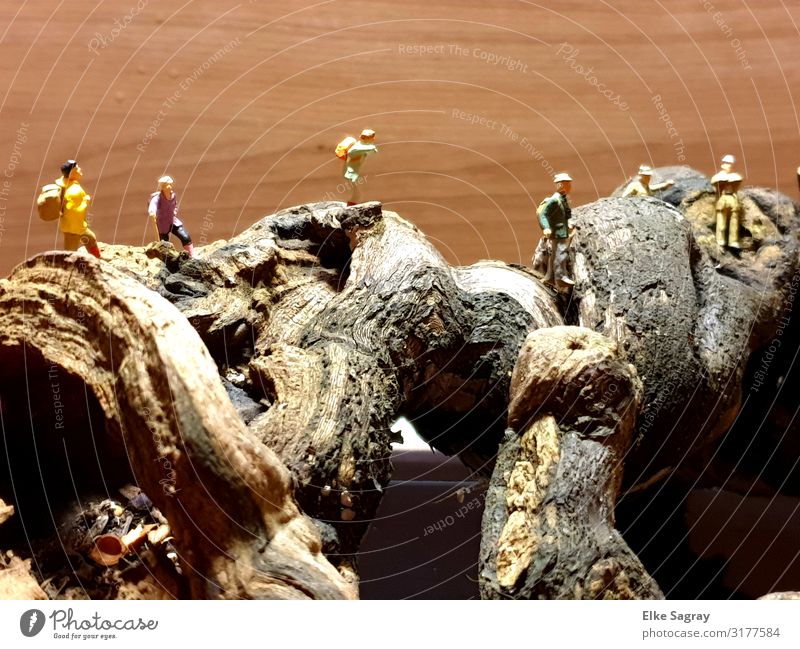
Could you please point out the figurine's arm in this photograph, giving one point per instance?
(664, 185)
(544, 217)
(630, 190)
(570, 226)
(360, 150)
(152, 210)
(75, 198)
(718, 181)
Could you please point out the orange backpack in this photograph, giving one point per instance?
(344, 146)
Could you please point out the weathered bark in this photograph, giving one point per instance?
(788, 595)
(17, 582)
(686, 313)
(6, 512)
(691, 317)
(764, 442)
(548, 529)
(340, 319)
(136, 385)
(328, 322)
(402, 333)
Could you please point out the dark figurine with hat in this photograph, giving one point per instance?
(554, 215)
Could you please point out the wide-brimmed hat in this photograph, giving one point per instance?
(644, 170)
(561, 177)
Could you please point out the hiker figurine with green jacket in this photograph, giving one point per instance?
(356, 154)
(554, 217)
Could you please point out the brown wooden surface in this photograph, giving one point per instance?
(255, 132)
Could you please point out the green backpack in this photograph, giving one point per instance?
(544, 202)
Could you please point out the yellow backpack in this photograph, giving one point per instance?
(344, 146)
(50, 203)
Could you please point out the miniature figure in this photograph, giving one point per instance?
(73, 214)
(554, 217)
(163, 210)
(728, 207)
(642, 186)
(354, 157)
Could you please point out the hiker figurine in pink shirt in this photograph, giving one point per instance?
(164, 212)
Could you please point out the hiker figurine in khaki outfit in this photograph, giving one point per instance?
(728, 206)
(354, 153)
(642, 186)
(74, 207)
(554, 217)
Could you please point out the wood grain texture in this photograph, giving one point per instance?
(166, 418)
(254, 132)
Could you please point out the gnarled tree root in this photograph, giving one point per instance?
(129, 365)
(548, 528)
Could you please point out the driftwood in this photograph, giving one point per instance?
(326, 323)
(16, 580)
(693, 318)
(113, 358)
(343, 318)
(574, 402)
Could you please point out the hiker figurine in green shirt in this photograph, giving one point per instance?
(642, 186)
(554, 217)
(356, 154)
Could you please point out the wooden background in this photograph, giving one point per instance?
(473, 102)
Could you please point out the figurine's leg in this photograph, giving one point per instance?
(355, 193)
(733, 226)
(549, 277)
(562, 262)
(90, 242)
(722, 223)
(182, 234)
(71, 241)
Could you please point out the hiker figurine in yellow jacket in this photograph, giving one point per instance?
(642, 186)
(554, 217)
(356, 154)
(73, 215)
(728, 207)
